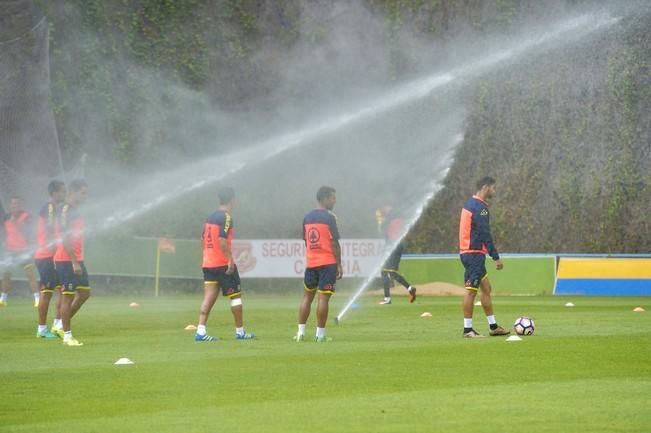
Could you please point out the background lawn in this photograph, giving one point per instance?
(586, 369)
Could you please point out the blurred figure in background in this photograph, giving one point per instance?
(44, 259)
(17, 225)
(69, 259)
(391, 226)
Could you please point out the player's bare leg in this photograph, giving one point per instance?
(30, 274)
(58, 306)
(80, 299)
(322, 310)
(43, 307)
(468, 307)
(238, 317)
(485, 296)
(304, 313)
(322, 316)
(66, 318)
(469, 303)
(66, 310)
(210, 294)
(57, 324)
(306, 306)
(487, 305)
(5, 288)
(237, 310)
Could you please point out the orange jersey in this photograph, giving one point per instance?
(70, 224)
(474, 229)
(319, 231)
(16, 232)
(394, 229)
(219, 225)
(45, 232)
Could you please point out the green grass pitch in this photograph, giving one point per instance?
(586, 369)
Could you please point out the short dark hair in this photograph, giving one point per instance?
(226, 195)
(77, 184)
(324, 192)
(485, 181)
(55, 186)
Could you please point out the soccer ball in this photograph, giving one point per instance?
(524, 326)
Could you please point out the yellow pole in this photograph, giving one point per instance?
(157, 276)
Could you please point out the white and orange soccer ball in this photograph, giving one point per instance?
(524, 326)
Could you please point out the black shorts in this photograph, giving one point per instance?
(48, 274)
(230, 284)
(393, 262)
(475, 266)
(71, 282)
(322, 278)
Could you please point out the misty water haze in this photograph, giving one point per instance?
(342, 117)
(386, 149)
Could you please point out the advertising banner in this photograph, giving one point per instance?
(285, 258)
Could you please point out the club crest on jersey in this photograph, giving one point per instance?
(314, 235)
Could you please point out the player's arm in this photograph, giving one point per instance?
(229, 256)
(336, 247)
(224, 231)
(4, 216)
(483, 225)
(51, 237)
(30, 231)
(66, 243)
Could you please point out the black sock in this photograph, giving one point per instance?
(493, 326)
(386, 281)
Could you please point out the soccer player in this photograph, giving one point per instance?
(69, 259)
(219, 269)
(16, 225)
(323, 262)
(390, 223)
(44, 259)
(4, 260)
(475, 241)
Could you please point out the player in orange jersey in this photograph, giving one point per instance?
(44, 259)
(323, 262)
(475, 241)
(17, 226)
(69, 258)
(219, 269)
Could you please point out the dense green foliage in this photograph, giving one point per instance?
(567, 135)
(570, 147)
(388, 370)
